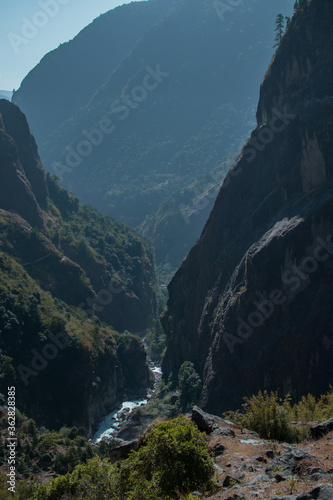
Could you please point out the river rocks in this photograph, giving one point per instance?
(292, 497)
(321, 429)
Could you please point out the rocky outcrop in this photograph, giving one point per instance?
(204, 421)
(16, 126)
(251, 304)
(248, 468)
(321, 492)
(20, 169)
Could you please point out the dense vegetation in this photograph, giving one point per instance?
(271, 416)
(173, 460)
(42, 451)
(40, 334)
(95, 237)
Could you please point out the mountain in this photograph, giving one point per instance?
(70, 279)
(155, 100)
(251, 304)
(6, 94)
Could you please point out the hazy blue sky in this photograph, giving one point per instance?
(23, 44)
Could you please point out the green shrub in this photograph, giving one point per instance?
(155, 338)
(310, 408)
(189, 384)
(272, 417)
(89, 482)
(174, 459)
(269, 416)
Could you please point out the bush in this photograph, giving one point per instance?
(189, 384)
(174, 460)
(90, 482)
(272, 417)
(269, 416)
(310, 408)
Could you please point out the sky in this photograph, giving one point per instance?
(29, 29)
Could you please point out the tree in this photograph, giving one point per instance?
(296, 5)
(279, 29)
(190, 384)
(174, 459)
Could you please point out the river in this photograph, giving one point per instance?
(114, 420)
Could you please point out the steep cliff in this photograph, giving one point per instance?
(20, 170)
(251, 303)
(63, 268)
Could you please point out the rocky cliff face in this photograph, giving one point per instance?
(22, 179)
(251, 303)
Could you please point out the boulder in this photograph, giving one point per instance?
(321, 492)
(219, 449)
(226, 431)
(285, 465)
(122, 449)
(230, 481)
(322, 429)
(204, 421)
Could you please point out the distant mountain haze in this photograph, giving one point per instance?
(143, 111)
(6, 94)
